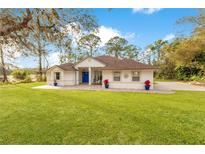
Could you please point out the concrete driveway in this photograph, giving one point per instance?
(177, 86)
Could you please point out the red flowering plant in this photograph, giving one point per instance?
(106, 83)
(147, 84)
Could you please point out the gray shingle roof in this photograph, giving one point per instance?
(67, 67)
(122, 64)
(112, 63)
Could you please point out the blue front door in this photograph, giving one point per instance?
(85, 77)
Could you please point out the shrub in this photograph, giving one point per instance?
(20, 74)
(187, 73)
(27, 80)
(44, 78)
(196, 78)
(40, 79)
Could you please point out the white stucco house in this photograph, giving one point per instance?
(121, 73)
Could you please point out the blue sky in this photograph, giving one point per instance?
(139, 26)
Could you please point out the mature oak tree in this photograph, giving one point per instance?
(8, 26)
(35, 29)
(11, 28)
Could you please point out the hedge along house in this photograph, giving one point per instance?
(121, 73)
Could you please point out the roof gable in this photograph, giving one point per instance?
(53, 67)
(89, 62)
(65, 67)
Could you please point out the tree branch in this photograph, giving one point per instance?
(17, 27)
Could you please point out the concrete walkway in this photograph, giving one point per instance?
(159, 87)
(100, 88)
(177, 86)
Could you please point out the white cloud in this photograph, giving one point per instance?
(106, 33)
(53, 59)
(130, 36)
(169, 37)
(146, 10)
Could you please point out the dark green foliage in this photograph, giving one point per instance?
(185, 57)
(166, 71)
(186, 73)
(200, 58)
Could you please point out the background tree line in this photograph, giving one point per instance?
(73, 34)
(184, 57)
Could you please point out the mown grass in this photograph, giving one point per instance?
(33, 116)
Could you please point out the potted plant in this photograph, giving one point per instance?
(106, 83)
(147, 84)
(55, 83)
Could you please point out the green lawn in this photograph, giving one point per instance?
(32, 116)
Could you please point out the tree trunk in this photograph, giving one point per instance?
(91, 52)
(40, 61)
(149, 60)
(158, 55)
(40, 67)
(62, 55)
(39, 51)
(75, 55)
(5, 79)
(116, 54)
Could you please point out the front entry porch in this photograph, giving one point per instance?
(91, 76)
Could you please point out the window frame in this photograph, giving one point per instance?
(59, 76)
(136, 76)
(114, 77)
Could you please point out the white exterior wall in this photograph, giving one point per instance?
(69, 78)
(72, 77)
(127, 82)
(66, 77)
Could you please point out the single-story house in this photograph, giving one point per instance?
(121, 73)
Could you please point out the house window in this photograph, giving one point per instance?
(135, 76)
(116, 76)
(57, 75)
